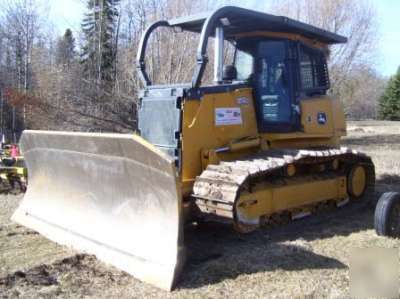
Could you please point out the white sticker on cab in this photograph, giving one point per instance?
(228, 116)
(242, 101)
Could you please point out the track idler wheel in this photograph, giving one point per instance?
(244, 224)
(357, 181)
(244, 228)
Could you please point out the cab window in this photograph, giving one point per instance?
(244, 63)
(314, 76)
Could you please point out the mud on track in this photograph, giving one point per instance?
(306, 257)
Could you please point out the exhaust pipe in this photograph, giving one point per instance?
(218, 54)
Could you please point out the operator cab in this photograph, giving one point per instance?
(281, 72)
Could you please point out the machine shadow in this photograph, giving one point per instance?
(216, 252)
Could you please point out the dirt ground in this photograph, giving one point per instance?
(307, 258)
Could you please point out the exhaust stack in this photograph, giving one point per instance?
(218, 54)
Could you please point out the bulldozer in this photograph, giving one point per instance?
(12, 169)
(260, 144)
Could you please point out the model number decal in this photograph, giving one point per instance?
(228, 116)
(242, 101)
(321, 118)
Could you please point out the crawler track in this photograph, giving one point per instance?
(218, 188)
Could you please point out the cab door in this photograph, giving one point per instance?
(273, 85)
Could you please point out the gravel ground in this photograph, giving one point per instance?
(306, 258)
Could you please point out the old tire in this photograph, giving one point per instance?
(387, 215)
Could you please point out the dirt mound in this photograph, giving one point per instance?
(60, 279)
(37, 276)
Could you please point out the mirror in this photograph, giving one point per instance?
(229, 73)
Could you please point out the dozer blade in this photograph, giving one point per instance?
(112, 195)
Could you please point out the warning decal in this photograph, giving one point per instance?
(228, 116)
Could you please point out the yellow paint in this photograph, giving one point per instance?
(22, 171)
(309, 112)
(244, 144)
(201, 137)
(290, 170)
(358, 180)
(200, 134)
(284, 35)
(267, 198)
(313, 133)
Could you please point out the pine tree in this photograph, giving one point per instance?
(389, 103)
(65, 54)
(99, 28)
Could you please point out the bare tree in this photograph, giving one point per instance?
(361, 92)
(355, 19)
(57, 97)
(21, 27)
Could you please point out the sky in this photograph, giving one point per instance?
(68, 14)
(389, 28)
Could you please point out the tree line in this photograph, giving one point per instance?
(85, 79)
(389, 103)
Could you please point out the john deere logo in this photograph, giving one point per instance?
(321, 117)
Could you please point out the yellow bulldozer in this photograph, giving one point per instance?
(12, 169)
(260, 144)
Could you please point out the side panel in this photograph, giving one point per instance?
(322, 124)
(203, 128)
(160, 119)
(271, 199)
(317, 116)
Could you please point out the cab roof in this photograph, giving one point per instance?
(238, 20)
